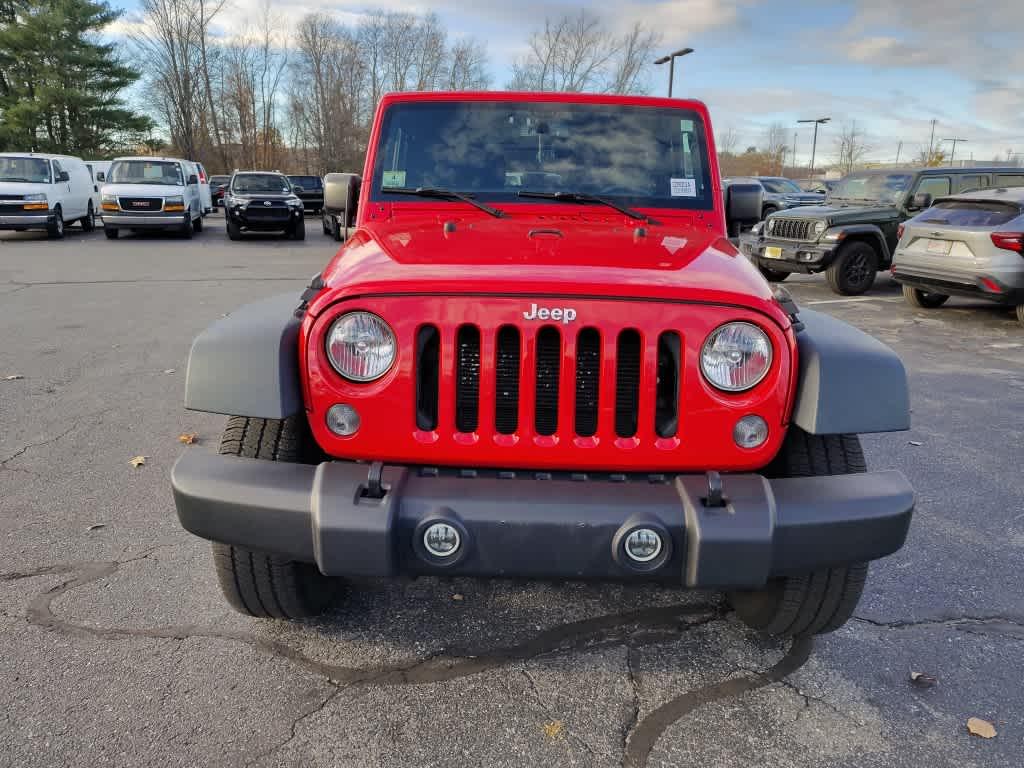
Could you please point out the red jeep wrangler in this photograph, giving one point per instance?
(538, 356)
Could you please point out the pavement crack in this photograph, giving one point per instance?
(21, 451)
(552, 717)
(631, 724)
(296, 721)
(986, 626)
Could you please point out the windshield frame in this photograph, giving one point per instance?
(25, 180)
(290, 188)
(110, 176)
(702, 162)
(893, 199)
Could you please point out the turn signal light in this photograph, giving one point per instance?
(1009, 241)
(37, 206)
(172, 208)
(110, 206)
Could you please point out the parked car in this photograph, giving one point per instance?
(779, 193)
(152, 193)
(260, 201)
(851, 236)
(218, 183)
(40, 191)
(205, 192)
(499, 380)
(818, 186)
(310, 190)
(99, 170)
(964, 245)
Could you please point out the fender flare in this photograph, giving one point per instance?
(247, 364)
(841, 233)
(849, 382)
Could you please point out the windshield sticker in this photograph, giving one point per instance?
(683, 187)
(673, 244)
(393, 179)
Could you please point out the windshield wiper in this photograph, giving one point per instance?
(444, 194)
(18, 178)
(583, 197)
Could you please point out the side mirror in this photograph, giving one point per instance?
(743, 203)
(297, 189)
(100, 176)
(921, 201)
(63, 176)
(341, 196)
(193, 179)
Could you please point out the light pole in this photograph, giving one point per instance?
(952, 152)
(670, 59)
(814, 147)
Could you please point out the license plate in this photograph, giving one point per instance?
(773, 252)
(939, 247)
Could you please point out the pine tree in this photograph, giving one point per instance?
(60, 85)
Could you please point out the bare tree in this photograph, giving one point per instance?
(931, 158)
(850, 147)
(633, 54)
(466, 68)
(727, 141)
(775, 145)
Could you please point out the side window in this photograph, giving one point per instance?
(1010, 180)
(57, 171)
(973, 181)
(936, 186)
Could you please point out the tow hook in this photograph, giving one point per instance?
(375, 482)
(714, 497)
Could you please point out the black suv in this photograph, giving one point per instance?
(311, 191)
(259, 201)
(852, 235)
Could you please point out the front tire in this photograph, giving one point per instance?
(55, 231)
(198, 224)
(187, 228)
(819, 601)
(89, 220)
(111, 232)
(923, 299)
(853, 270)
(260, 584)
(234, 231)
(298, 230)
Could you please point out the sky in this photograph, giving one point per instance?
(892, 66)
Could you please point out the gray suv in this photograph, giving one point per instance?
(779, 194)
(965, 245)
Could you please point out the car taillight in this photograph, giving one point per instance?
(1009, 241)
(899, 232)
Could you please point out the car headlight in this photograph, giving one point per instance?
(36, 196)
(361, 346)
(819, 227)
(176, 200)
(756, 229)
(736, 356)
(294, 201)
(108, 198)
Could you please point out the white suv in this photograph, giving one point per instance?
(143, 193)
(45, 192)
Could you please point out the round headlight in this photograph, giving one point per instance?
(736, 356)
(361, 346)
(819, 227)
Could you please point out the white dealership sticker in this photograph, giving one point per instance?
(393, 179)
(683, 187)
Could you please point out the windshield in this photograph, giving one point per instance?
(306, 182)
(145, 172)
(871, 187)
(638, 156)
(29, 169)
(971, 213)
(265, 183)
(781, 186)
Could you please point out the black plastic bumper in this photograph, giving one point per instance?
(979, 286)
(793, 256)
(520, 526)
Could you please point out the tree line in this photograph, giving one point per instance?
(277, 93)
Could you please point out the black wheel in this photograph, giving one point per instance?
(234, 231)
(773, 275)
(337, 232)
(325, 225)
(89, 220)
(923, 299)
(853, 270)
(111, 233)
(56, 229)
(187, 229)
(198, 224)
(257, 583)
(819, 601)
(768, 211)
(298, 230)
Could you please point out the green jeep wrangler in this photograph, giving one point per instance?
(853, 234)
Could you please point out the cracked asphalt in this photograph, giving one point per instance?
(118, 650)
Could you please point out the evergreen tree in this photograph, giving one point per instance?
(60, 85)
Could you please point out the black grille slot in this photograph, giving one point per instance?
(627, 383)
(588, 374)
(666, 413)
(790, 229)
(506, 373)
(428, 349)
(549, 360)
(467, 379)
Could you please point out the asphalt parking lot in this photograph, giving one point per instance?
(117, 648)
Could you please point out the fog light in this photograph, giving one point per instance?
(343, 420)
(441, 540)
(750, 432)
(643, 545)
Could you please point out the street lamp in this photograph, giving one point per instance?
(952, 152)
(817, 121)
(671, 61)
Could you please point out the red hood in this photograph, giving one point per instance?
(533, 255)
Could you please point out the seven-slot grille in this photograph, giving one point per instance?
(534, 371)
(141, 203)
(789, 229)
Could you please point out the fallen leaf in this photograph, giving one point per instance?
(96, 526)
(188, 438)
(915, 442)
(553, 729)
(921, 680)
(458, 597)
(982, 728)
(13, 377)
(169, 370)
(137, 461)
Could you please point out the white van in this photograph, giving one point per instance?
(40, 191)
(152, 193)
(99, 168)
(205, 193)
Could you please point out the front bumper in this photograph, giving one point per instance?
(792, 255)
(144, 221)
(273, 223)
(529, 525)
(25, 220)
